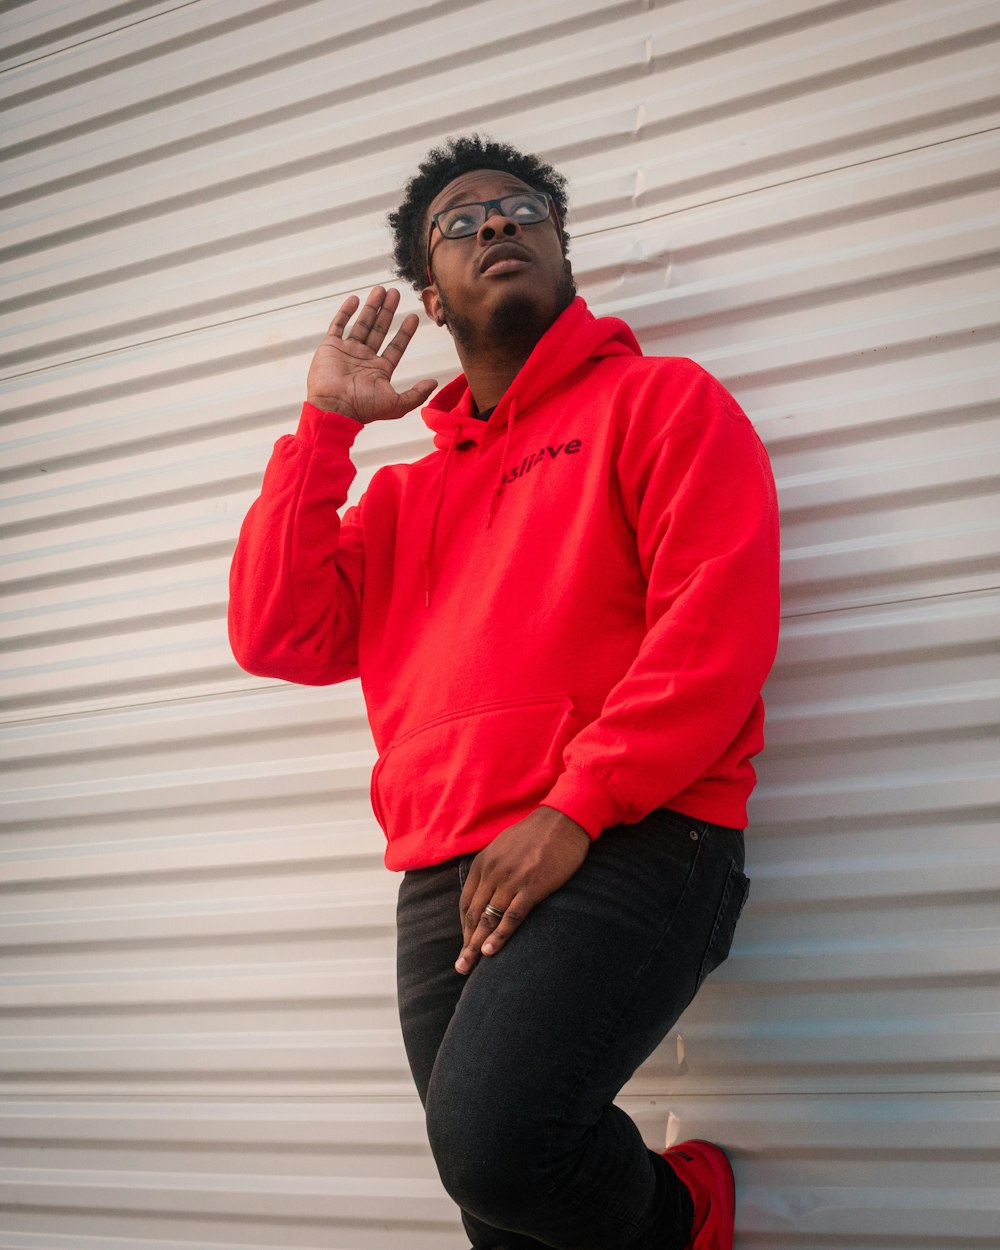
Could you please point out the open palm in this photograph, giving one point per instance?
(349, 376)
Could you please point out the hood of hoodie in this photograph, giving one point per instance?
(574, 337)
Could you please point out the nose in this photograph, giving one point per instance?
(491, 228)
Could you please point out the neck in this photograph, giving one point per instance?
(493, 349)
(489, 376)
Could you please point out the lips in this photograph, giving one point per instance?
(500, 252)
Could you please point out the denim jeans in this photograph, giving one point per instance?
(518, 1063)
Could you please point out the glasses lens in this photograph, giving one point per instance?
(461, 220)
(525, 207)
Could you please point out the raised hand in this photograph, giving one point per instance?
(347, 375)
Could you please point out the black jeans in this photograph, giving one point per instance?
(518, 1064)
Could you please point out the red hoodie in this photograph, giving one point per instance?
(574, 603)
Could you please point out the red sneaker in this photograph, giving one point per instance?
(704, 1169)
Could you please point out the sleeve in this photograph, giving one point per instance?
(703, 500)
(298, 569)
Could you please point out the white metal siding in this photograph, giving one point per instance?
(199, 1035)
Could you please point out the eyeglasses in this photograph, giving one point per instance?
(461, 220)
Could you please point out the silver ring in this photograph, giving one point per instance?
(494, 912)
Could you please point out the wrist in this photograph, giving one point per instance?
(329, 432)
(564, 824)
(330, 403)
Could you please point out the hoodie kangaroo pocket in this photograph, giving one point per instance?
(466, 775)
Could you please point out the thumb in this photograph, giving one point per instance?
(418, 393)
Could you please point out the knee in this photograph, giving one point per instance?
(490, 1161)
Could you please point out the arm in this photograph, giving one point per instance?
(298, 570)
(296, 577)
(703, 501)
(699, 492)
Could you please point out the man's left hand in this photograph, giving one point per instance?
(521, 866)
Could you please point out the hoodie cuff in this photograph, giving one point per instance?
(330, 432)
(585, 798)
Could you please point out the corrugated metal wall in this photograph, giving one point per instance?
(199, 1037)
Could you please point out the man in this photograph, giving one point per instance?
(562, 618)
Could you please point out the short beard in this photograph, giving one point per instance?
(518, 321)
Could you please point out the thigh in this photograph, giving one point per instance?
(558, 1020)
(428, 940)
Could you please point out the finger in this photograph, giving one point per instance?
(470, 916)
(366, 318)
(483, 910)
(469, 891)
(485, 924)
(513, 918)
(384, 319)
(479, 893)
(347, 310)
(394, 351)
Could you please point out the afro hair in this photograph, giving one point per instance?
(459, 155)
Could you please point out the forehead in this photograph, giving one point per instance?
(477, 184)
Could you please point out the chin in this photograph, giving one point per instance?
(515, 311)
(521, 314)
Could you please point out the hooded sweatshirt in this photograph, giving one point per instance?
(572, 604)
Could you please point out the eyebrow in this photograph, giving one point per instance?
(460, 197)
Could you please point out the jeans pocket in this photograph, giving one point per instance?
(734, 896)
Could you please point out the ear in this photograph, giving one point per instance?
(432, 305)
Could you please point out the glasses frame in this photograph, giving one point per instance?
(487, 205)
